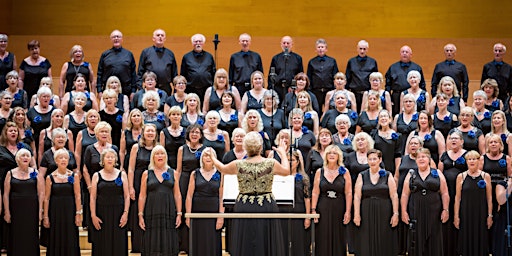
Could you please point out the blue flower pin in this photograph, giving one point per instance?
(421, 98)
(434, 173)
(382, 173)
(298, 177)
(471, 134)
(119, 118)
(33, 175)
(182, 134)
(427, 137)
(37, 119)
(382, 98)
(481, 183)
(495, 104)
(451, 102)
(198, 154)
(119, 181)
(200, 121)
(138, 137)
(42, 64)
(414, 117)
(216, 176)
(447, 119)
(304, 129)
(17, 96)
(52, 102)
(160, 93)
(342, 170)
(220, 137)
(85, 64)
(233, 117)
(353, 115)
(6, 60)
(460, 160)
(346, 141)
(503, 137)
(160, 117)
(487, 115)
(166, 175)
(71, 179)
(502, 162)
(28, 133)
(88, 95)
(20, 145)
(307, 116)
(394, 136)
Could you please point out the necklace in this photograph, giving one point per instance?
(194, 150)
(62, 176)
(76, 68)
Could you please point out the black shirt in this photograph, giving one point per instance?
(241, 66)
(358, 73)
(162, 62)
(321, 71)
(455, 70)
(198, 68)
(293, 67)
(502, 73)
(117, 62)
(396, 76)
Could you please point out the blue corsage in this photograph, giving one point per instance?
(17, 96)
(20, 145)
(434, 173)
(166, 175)
(495, 104)
(414, 117)
(37, 119)
(460, 160)
(471, 134)
(71, 179)
(307, 116)
(233, 117)
(28, 133)
(421, 98)
(119, 118)
(182, 134)
(451, 102)
(502, 162)
(42, 64)
(304, 129)
(138, 137)
(6, 59)
(216, 176)
(353, 115)
(487, 115)
(503, 137)
(427, 137)
(160, 117)
(33, 175)
(298, 177)
(200, 122)
(220, 137)
(52, 102)
(198, 154)
(119, 181)
(481, 183)
(447, 119)
(87, 95)
(394, 136)
(85, 64)
(347, 141)
(160, 94)
(382, 173)
(342, 170)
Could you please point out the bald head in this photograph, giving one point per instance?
(159, 38)
(405, 54)
(286, 43)
(449, 52)
(245, 41)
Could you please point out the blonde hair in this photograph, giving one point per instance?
(309, 107)
(112, 79)
(253, 143)
(187, 98)
(448, 79)
(333, 148)
(157, 148)
(21, 152)
(151, 95)
(220, 72)
(89, 113)
(143, 142)
(213, 154)
(493, 137)
(259, 127)
(104, 153)
(129, 124)
(60, 152)
(369, 141)
(74, 49)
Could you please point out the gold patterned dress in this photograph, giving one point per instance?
(258, 237)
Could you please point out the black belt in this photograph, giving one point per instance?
(255, 193)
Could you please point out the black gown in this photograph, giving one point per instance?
(499, 237)
(206, 240)
(330, 230)
(160, 237)
(8, 163)
(375, 235)
(473, 232)
(367, 125)
(405, 129)
(470, 138)
(75, 127)
(87, 140)
(230, 125)
(430, 143)
(110, 240)
(425, 207)
(219, 144)
(485, 123)
(498, 171)
(38, 122)
(406, 164)
(280, 122)
(63, 235)
(452, 168)
(116, 122)
(24, 208)
(253, 103)
(33, 76)
(313, 162)
(130, 141)
(390, 149)
(445, 125)
(172, 144)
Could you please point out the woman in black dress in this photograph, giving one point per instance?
(314, 159)
(48, 164)
(443, 120)
(23, 204)
(332, 198)
(160, 208)
(387, 141)
(205, 195)
(377, 86)
(213, 95)
(291, 98)
(173, 137)
(7, 60)
(230, 118)
(421, 96)
(424, 199)
(252, 122)
(329, 118)
(113, 115)
(253, 99)
(123, 102)
(367, 121)
(482, 118)
(177, 98)
(54, 98)
(62, 207)
(130, 137)
(79, 85)
(152, 115)
(19, 96)
(75, 121)
(473, 208)
(499, 127)
(407, 121)
(72, 68)
(343, 138)
(490, 87)
(45, 136)
(188, 160)
(473, 137)
(272, 116)
(500, 240)
(5, 107)
(238, 151)
(452, 163)
(375, 209)
(433, 140)
(149, 80)
(302, 137)
(19, 117)
(110, 200)
(192, 111)
(215, 137)
(453, 99)
(138, 163)
(33, 68)
(311, 118)
(39, 116)
(255, 196)
(340, 80)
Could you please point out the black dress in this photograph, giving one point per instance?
(33, 76)
(308, 121)
(375, 234)
(470, 138)
(452, 168)
(280, 122)
(8, 163)
(406, 164)
(63, 235)
(430, 143)
(305, 143)
(219, 144)
(445, 125)
(172, 144)
(498, 171)
(330, 230)
(73, 70)
(313, 162)
(19, 99)
(206, 240)
(130, 141)
(365, 123)
(425, 207)
(189, 163)
(256, 237)
(75, 127)
(158, 119)
(229, 125)
(485, 123)
(71, 103)
(171, 102)
(253, 103)
(110, 240)
(6, 66)
(116, 122)
(186, 123)
(473, 232)
(499, 237)
(38, 122)
(49, 163)
(329, 120)
(160, 237)
(405, 128)
(24, 208)
(345, 144)
(141, 164)
(420, 101)
(390, 149)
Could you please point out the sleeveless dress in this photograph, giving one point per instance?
(425, 208)
(470, 138)
(33, 76)
(330, 230)
(452, 168)
(431, 145)
(230, 125)
(280, 123)
(24, 207)
(19, 99)
(406, 164)
(253, 103)
(160, 237)
(445, 126)
(365, 123)
(484, 124)
(130, 141)
(186, 123)
(111, 240)
(171, 102)
(38, 122)
(75, 127)
(116, 122)
(498, 171)
(497, 234)
(390, 149)
(256, 237)
(63, 235)
(141, 164)
(420, 101)
(172, 144)
(308, 121)
(71, 103)
(206, 240)
(405, 129)
(6, 65)
(218, 145)
(473, 232)
(73, 70)
(154, 119)
(87, 140)
(215, 101)
(376, 236)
